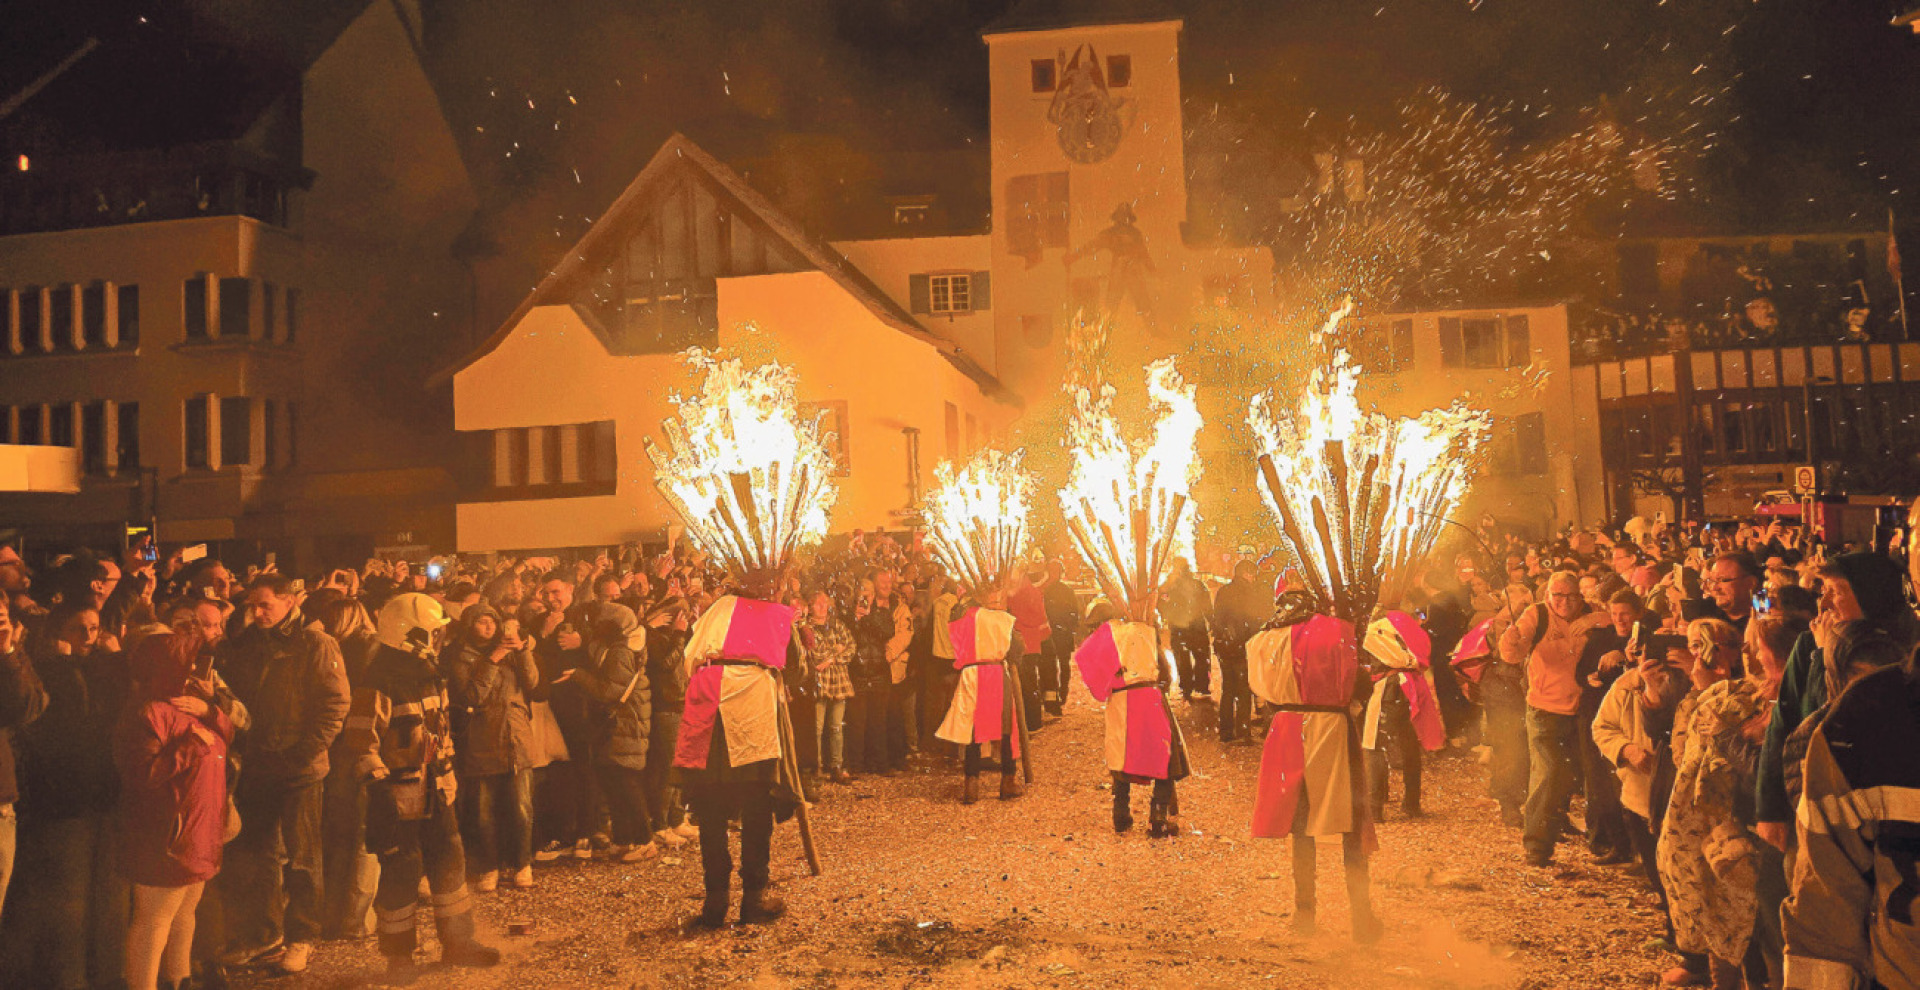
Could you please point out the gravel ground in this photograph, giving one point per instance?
(921, 891)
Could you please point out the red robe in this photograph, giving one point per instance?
(1312, 751)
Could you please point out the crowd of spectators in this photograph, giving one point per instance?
(179, 796)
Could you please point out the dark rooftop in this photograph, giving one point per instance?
(1046, 15)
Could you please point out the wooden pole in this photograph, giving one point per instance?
(792, 760)
(1012, 666)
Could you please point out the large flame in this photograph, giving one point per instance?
(1361, 496)
(977, 516)
(1130, 507)
(753, 481)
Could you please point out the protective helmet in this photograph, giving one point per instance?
(408, 622)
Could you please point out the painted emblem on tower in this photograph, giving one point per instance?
(1089, 120)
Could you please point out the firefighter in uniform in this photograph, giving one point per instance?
(402, 739)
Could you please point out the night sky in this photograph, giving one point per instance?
(1796, 114)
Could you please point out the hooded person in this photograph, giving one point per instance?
(1862, 588)
(985, 700)
(401, 735)
(490, 680)
(1312, 783)
(171, 749)
(1403, 713)
(732, 757)
(1120, 664)
(615, 681)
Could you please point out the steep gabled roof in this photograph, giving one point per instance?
(679, 153)
(1050, 15)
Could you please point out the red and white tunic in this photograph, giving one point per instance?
(981, 711)
(734, 655)
(1308, 669)
(1120, 664)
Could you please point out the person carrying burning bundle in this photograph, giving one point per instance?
(976, 518)
(734, 757)
(1312, 783)
(753, 483)
(1120, 664)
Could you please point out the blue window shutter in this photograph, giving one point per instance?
(919, 294)
(981, 289)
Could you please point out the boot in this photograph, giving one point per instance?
(759, 907)
(468, 952)
(1367, 928)
(401, 971)
(971, 793)
(713, 911)
(1157, 826)
(1122, 814)
(1011, 787)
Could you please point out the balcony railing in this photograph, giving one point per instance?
(170, 184)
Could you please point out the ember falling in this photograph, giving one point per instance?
(1360, 497)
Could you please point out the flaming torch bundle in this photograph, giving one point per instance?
(1360, 496)
(753, 481)
(977, 516)
(1130, 508)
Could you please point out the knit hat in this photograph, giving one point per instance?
(1876, 583)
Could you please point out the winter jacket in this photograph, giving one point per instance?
(173, 793)
(870, 635)
(400, 733)
(66, 756)
(1625, 719)
(1850, 920)
(493, 717)
(1029, 608)
(293, 681)
(1239, 611)
(1184, 603)
(22, 700)
(614, 680)
(666, 675)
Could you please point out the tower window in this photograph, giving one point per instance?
(1119, 70)
(1044, 80)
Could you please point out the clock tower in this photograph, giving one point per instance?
(1089, 177)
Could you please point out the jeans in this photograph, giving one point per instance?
(1504, 706)
(663, 799)
(567, 805)
(351, 873)
(867, 726)
(496, 818)
(277, 855)
(1062, 639)
(1236, 698)
(935, 692)
(806, 738)
(832, 715)
(1549, 779)
(901, 735)
(626, 792)
(1193, 656)
(713, 804)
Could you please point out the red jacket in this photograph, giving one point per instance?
(1029, 608)
(173, 794)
